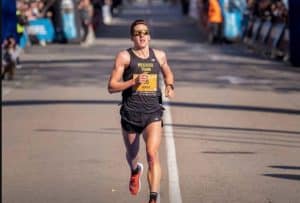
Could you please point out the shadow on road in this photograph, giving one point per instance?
(238, 135)
(255, 130)
(103, 131)
(8, 103)
(295, 177)
(231, 152)
(236, 108)
(285, 167)
(58, 102)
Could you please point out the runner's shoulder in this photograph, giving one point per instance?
(123, 56)
(159, 53)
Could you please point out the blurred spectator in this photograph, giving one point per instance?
(115, 6)
(22, 20)
(98, 16)
(33, 11)
(28, 11)
(86, 12)
(279, 12)
(10, 57)
(273, 10)
(215, 20)
(106, 11)
(203, 8)
(264, 9)
(40, 8)
(185, 4)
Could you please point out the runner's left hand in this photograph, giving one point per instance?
(169, 92)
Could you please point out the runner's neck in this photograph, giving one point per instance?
(143, 53)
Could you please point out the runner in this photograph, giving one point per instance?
(136, 74)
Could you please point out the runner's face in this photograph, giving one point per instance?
(141, 36)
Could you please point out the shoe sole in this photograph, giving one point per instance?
(142, 169)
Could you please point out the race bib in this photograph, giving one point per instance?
(149, 86)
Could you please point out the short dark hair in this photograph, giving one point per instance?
(137, 22)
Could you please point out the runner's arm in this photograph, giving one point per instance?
(115, 83)
(167, 73)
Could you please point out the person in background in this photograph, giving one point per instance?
(10, 55)
(22, 22)
(185, 5)
(203, 6)
(215, 20)
(86, 12)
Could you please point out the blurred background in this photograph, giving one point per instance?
(267, 24)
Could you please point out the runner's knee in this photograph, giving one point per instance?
(152, 158)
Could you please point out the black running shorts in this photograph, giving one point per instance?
(136, 122)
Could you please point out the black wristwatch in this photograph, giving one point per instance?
(170, 85)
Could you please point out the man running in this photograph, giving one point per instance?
(136, 74)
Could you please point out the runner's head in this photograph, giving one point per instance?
(134, 31)
(140, 34)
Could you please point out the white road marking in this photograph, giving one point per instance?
(174, 189)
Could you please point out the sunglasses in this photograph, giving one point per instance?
(140, 32)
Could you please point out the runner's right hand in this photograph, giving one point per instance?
(141, 78)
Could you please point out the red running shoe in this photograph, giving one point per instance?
(135, 180)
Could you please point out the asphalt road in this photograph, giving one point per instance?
(235, 121)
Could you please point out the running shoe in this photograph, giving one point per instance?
(135, 180)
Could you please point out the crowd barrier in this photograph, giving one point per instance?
(271, 39)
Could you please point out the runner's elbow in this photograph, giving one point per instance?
(110, 89)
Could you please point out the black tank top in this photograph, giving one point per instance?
(144, 97)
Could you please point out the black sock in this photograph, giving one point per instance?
(135, 171)
(153, 196)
